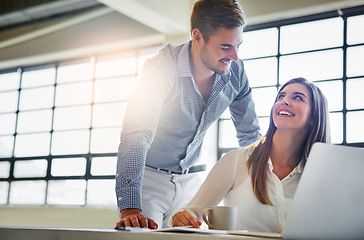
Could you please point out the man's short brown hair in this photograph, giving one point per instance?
(208, 15)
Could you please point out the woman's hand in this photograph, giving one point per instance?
(185, 218)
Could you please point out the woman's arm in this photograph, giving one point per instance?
(216, 186)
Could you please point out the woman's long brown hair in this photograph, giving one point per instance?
(320, 132)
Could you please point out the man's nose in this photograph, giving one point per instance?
(234, 54)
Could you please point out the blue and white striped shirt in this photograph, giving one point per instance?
(167, 118)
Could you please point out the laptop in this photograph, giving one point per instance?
(329, 200)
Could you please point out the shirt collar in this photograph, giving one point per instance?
(183, 61)
(297, 169)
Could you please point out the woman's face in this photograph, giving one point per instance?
(292, 110)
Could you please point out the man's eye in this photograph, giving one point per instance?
(225, 48)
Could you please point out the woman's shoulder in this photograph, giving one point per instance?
(239, 155)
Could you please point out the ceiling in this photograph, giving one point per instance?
(38, 31)
(167, 16)
(16, 13)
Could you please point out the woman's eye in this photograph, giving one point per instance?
(298, 98)
(280, 96)
(225, 48)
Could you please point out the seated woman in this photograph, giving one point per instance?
(261, 179)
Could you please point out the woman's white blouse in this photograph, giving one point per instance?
(229, 180)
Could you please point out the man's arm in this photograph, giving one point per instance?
(139, 127)
(243, 114)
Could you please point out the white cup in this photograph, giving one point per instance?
(220, 217)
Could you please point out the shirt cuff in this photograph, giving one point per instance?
(129, 197)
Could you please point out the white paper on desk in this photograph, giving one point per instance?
(190, 230)
(256, 234)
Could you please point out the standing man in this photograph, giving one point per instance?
(182, 91)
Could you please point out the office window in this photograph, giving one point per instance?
(326, 49)
(60, 129)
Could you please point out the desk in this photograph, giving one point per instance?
(106, 234)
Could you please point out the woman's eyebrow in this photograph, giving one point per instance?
(300, 93)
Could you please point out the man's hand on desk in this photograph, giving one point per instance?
(132, 217)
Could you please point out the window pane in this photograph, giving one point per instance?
(70, 142)
(263, 99)
(75, 72)
(333, 91)
(68, 166)
(6, 146)
(355, 29)
(256, 76)
(72, 117)
(7, 123)
(32, 144)
(108, 115)
(11, 99)
(27, 192)
(36, 78)
(4, 188)
(264, 124)
(226, 113)
(259, 43)
(9, 81)
(312, 66)
(103, 166)
(34, 121)
(36, 98)
(336, 127)
(355, 96)
(227, 134)
(105, 140)
(31, 168)
(312, 35)
(114, 89)
(4, 169)
(75, 93)
(101, 192)
(66, 192)
(116, 67)
(355, 127)
(355, 63)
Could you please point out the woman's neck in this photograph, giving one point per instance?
(285, 152)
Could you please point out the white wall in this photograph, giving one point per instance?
(58, 217)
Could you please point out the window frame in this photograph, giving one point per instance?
(344, 14)
(138, 54)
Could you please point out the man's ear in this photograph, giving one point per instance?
(197, 35)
